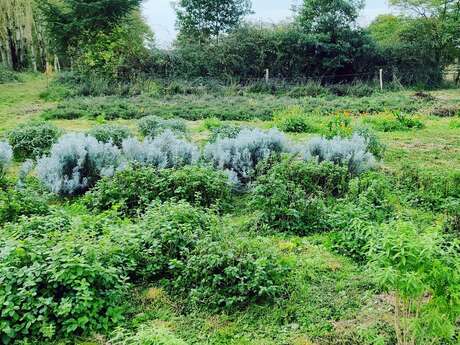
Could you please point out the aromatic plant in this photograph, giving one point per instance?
(165, 151)
(34, 139)
(152, 126)
(110, 134)
(352, 153)
(76, 162)
(6, 154)
(239, 156)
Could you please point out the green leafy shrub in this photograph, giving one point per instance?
(33, 140)
(25, 201)
(58, 286)
(395, 121)
(39, 225)
(374, 144)
(295, 120)
(230, 275)
(149, 334)
(152, 126)
(224, 131)
(8, 76)
(110, 134)
(131, 191)
(339, 126)
(289, 197)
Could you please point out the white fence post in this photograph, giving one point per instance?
(381, 79)
(267, 75)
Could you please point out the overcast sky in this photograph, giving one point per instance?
(161, 16)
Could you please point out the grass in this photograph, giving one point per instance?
(334, 300)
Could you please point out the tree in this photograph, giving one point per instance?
(209, 18)
(70, 21)
(438, 22)
(329, 16)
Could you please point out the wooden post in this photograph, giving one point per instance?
(267, 75)
(381, 79)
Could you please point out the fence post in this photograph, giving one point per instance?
(267, 75)
(381, 79)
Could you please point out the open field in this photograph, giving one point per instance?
(317, 288)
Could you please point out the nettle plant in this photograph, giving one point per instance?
(422, 271)
(352, 153)
(6, 154)
(165, 151)
(239, 156)
(76, 163)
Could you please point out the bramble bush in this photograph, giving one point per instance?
(352, 153)
(152, 126)
(165, 151)
(110, 134)
(131, 191)
(76, 162)
(289, 197)
(239, 156)
(6, 155)
(32, 140)
(58, 286)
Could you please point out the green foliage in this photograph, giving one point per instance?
(150, 334)
(110, 134)
(152, 126)
(25, 201)
(131, 191)
(230, 275)
(57, 286)
(224, 131)
(339, 126)
(295, 120)
(36, 226)
(7, 76)
(33, 140)
(289, 197)
(198, 19)
(412, 264)
(395, 121)
(374, 144)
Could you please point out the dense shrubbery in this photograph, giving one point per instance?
(110, 134)
(239, 156)
(57, 286)
(6, 155)
(76, 162)
(290, 196)
(152, 126)
(7, 76)
(352, 153)
(32, 140)
(132, 190)
(165, 151)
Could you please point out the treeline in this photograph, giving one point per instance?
(322, 41)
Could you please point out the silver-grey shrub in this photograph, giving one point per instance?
(152, 126)
(6, 154)
(165, 151)
(352, 153)
(76, 162)
(239, 156)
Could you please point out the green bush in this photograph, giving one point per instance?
(58, 286)
(39, 225)
(110, 134)
(224, 131)
(152, 126)
(132, 190)
(169, 232)
(289, 197)
(25, 201)
(230, 275)
(395, 121)
(33, 139)
(295, 120)
(8, 76)
(374, 145)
